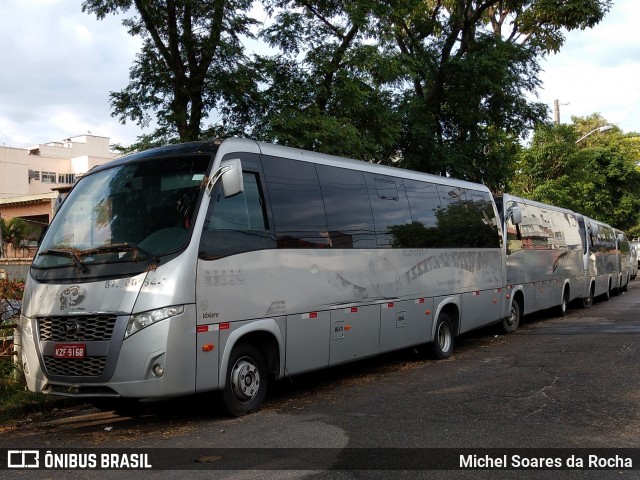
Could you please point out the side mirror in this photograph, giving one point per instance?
(516, 214)
(231, 174)
(594, 229)
(232, 183)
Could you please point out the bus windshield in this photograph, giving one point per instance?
(133, 211)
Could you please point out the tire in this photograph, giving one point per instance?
(607, 295)
(564, 304)
(588, 301)
(246, 381)
(442, 345)
(512, 322)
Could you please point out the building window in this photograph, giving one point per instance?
(48, 177)
(69, 178)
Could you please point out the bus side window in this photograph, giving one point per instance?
(236, 224)
(296, 203)
(390, 207)
(346, 202)
(424, 202)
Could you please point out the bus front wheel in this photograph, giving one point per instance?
(512, 322)
(246, 382)
(442, 345)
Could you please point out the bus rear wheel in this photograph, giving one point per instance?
(246, 382)
(442, 346)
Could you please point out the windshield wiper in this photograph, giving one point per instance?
(72, 253)
(119, 247)
(77, 256)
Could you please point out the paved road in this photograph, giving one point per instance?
(565, 383)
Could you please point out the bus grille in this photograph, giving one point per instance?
(86, 367)
(88, 328)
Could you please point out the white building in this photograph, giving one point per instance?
(31, 177)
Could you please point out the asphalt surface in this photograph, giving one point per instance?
(559, 386)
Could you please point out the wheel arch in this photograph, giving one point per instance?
(451, 306)
(263, 334)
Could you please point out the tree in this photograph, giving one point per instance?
(447, 86)
(191, 64)
(598, 176)
(15, 232)
(325, 89)
(440, 86)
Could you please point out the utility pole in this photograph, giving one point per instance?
(556, 111)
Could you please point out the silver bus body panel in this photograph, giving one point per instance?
(342, 305)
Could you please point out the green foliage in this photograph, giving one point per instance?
(438, 86)
(15, 232)
(598, 176)
(192, 63)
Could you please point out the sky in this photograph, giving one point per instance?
(59, 65)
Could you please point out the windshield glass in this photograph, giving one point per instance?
(131, 212)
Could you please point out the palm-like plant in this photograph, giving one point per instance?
(14, 232)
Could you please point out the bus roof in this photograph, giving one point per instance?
(231, 145)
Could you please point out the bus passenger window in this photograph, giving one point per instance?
(296, 203)
(391, 214)
(346, 201)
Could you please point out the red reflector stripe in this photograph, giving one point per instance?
(390, 305)
(313, 315)
(202, 328)
(224, 326)
(354, 309)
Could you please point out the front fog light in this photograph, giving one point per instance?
(158, 370)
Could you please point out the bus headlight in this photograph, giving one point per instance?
(144, 319)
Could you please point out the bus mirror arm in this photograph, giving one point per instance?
(231, 174)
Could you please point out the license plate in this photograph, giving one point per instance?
(70, 350)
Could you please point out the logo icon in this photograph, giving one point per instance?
(23, 459)
(71, 329)
(72, 297)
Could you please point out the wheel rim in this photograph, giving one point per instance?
(513, 317)
(245, 380)
(444, 337)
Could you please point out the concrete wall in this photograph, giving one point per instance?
(15, 269)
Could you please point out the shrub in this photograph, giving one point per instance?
(11, 289)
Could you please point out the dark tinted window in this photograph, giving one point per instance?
(390, 206)
(296, 203)
(236, 224)
(424, 202)
(483, 220)
(349, 217)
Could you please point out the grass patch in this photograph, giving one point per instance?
(16, 401)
